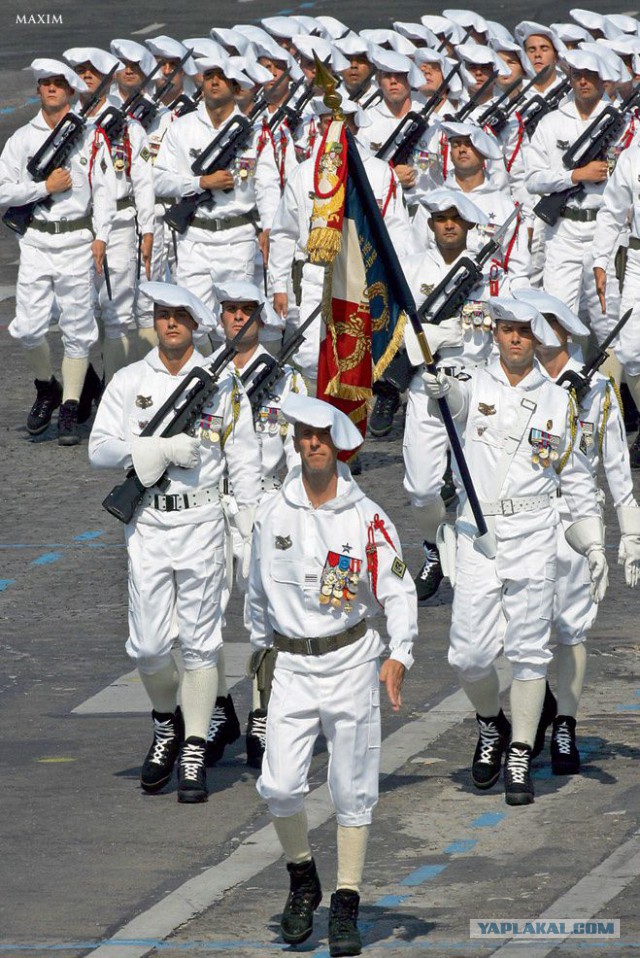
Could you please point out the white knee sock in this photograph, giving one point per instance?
(39, 359)
(146, 339)
(255, 694)
(293, 833)
(222, 674)
(162, 687)
(115, 355)
(571, 664)
(428, 518)
(198, 691)
(352, 849)
(73, 372)
(526, 708)
(633, 382)
(484, 695)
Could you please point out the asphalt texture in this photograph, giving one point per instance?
(91, 864)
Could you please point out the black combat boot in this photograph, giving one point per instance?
(429, 577)
(256, 737)
(224, 729)
(157, 767)
(91, 393)
(518, 787)
(565, 757)
(305, 894)
(48, 398)
(68, 434)
(192, 776)
(493, 738)
(344, 937)
(385, 408)
(549, 712)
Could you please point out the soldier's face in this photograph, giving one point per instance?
(587, 85)
(174, 327)
(464, 155)
(432, 73)
(54, 92)
(358, 70)
(395, 86)
(480, 73)
(317, 452)
(516, 345)
(90, 75)
(216, 89)
(449, 229)
(131, 76)
(540, 51)
(515, 68)
(234, 317)
(167, 65)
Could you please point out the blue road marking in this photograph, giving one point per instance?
(47, 558)
(5, 583)
(628, 708)
(86, 536)
(390, 901)
(457, 848)
(488, 819)
(423, 874)
(8, 109)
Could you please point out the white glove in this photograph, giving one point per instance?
(436, 386)
(629, 551)
(437, 337)
(599, 572)
(152, 454)
(629, 556)
(244, 524)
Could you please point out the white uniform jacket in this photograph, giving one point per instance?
(290, 231)
(225, 429)
(256, 177)
(309, 576)
(491, 410)
(93, 186)
(620, 209)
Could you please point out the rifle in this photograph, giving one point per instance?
(496, 116)
(145, 111)
(113, 119)
(292, 114)
(580, 381)
(470, 105)
(538, 106)
(273, 366)
(186, 403)
(591, 145)
(184, 104)
(452, 292)
(416, 123)
(53, 154)
(375, 97)
(362, 87)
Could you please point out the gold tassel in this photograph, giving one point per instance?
(393, 346)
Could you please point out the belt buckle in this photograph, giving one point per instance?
(169, 505)
(57, 226)
(507, 507)
(309, 645)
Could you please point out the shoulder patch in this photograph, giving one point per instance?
(145, 154)
(398, 567)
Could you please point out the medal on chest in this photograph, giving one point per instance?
(586, 439)
(268, 420)
(243, 168)
(544, 447)
(475, 314)
(339, 580)
(208, 428)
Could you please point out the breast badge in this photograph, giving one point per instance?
(143, 402)
(339, 580)
(544, 447)
(283, 542)
(487, 409)
(208, 428)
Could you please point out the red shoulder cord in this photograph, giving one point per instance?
(444, 149)
(376, 524)
(391, 194)
(284, 144)
(629, 133)
(519, 140)
(95, 146)
(507, 255)
(494, 278)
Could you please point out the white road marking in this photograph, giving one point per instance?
(150, 29)
(262, 848)
(127, 693)
(586, 899)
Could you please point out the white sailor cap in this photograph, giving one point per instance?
(401, 44)
(484, 143)
(439, 25)
(618, 70)
(416, 31)
(353, 45)
(624, 45)
(44, 68)
(230, 38)
(530, 28)
(242, 291)
(479, 53)
(442, 199)
(446, 64)
(507, 310)
(309, 24)
(129, 50)
(592, 62)
(510, 46)
(205, 47)
(170, 49)
(315, 412)
(253, 32)
(587, 19)
(273, 51)
(168, 294)
(570, 32)
(248, 64)
(497, 31)
(466, 19)
(333, 29)
(388, 61)
(229, 69)
(308, 45)
(284, 27)
(100, 60)
(623, 22)
(348, 107)
(550, 305)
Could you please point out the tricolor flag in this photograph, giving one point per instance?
(364, 325)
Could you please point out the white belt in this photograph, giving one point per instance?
(182, 500)
(267, 484)
(511, 507)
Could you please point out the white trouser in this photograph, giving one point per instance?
(574, 610)
(424, 447)
(346, 708)
(181, 566)
(62, 276)
(163, 269)
(568, 274)
(230, 255)
(517, 586)
(537, 252)
(627, 344)
(122, 251)
(306, 358)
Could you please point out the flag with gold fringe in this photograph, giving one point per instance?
(364, 327)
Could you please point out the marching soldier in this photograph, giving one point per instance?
(324, 560)
(175, 542)
(521, 442)
(62, 248)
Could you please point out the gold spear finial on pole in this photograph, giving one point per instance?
(325, 79)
